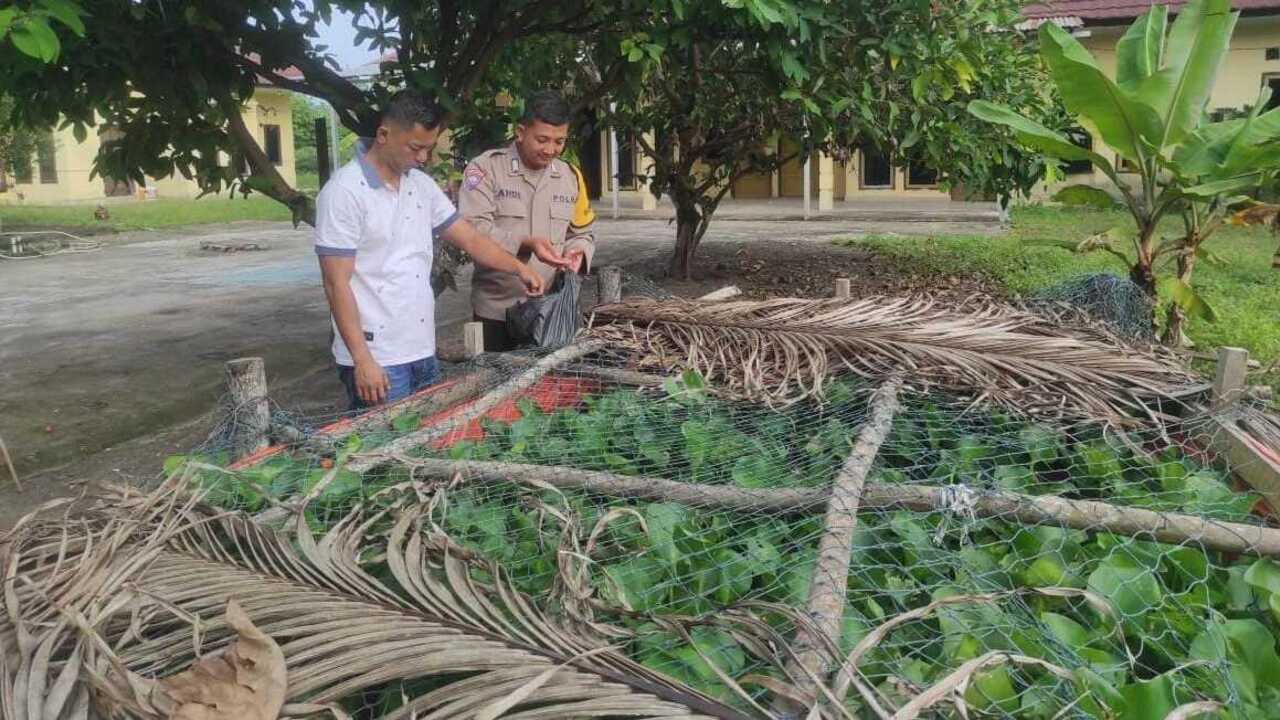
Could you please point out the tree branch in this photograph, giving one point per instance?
(1173, 528)
(269, 182)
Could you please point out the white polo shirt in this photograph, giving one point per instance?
(390, 233)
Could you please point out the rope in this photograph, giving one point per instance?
(26, 246)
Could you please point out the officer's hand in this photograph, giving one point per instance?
(575, 258)
(532, 281)
(546, 252)
(372, 383)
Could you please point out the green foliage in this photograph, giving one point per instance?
(1177, 623)
(161, 213)
(1085, 196)
(907, 73)
(1153, 114)
(304, 113)
(1242, 288)
(709, 89)
(31, 29)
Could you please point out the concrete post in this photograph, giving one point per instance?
(826, 182)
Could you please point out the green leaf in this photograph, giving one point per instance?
(919, 86)
(406, 422)
(1138, 54)
(1264, 574)
(1129, 127)
(67, 13)
(693, 380)
(735, 576)
(1226, 186)
(173, 464)
(7, 16)
(1197, 44)
(662, 519)
(636, 583)
(1185, 297)
(1133, 591)
(1148, 699)
(1247, 648)
(1037, 136)
(34, 38)
(1069, 632)
(1085, 196)
(721, 649)
(756, 471)
(992, 691)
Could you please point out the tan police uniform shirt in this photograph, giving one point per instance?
(510, 202)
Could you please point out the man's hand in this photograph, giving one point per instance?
(574, 259)
(546, 252)
(372, 383)
(532, 281)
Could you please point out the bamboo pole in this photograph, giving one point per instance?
(8, 461)
(828, 585)
(1174, 528)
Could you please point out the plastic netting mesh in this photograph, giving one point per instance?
(1110, 299)
(1031, 570)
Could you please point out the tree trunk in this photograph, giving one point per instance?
(687, 237)
(1176, 317)
(1142, 272)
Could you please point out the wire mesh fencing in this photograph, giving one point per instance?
(877, 551)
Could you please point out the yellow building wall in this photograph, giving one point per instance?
(74, 161)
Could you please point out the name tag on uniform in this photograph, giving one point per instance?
(508, 193)
(567, 199)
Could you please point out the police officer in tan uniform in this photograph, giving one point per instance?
(525, 192)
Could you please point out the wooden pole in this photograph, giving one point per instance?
(843, 289)
(473, 338)
(725, 293)
(1173, 528)
(1228, 379)
(828, 584)
(609, 284)
(8, 461)
(250, 411)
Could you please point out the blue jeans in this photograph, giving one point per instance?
(405, 380)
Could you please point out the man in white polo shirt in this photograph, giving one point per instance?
(376, 220)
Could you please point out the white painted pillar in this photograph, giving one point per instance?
(826, 182)
(804, 173)
(613, 159)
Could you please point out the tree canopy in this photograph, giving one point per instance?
(707, 87)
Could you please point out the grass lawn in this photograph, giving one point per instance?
(143, 214)
(1244, 290)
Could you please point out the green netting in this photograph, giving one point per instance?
(1053, 606)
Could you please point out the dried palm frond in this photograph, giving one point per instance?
(781, 351)
(115, 595)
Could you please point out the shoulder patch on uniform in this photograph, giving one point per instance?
(473, 177)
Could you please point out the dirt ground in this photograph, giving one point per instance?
(111, 361)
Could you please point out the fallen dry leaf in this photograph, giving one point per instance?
(245, 682)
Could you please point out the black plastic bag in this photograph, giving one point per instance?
(549, 321)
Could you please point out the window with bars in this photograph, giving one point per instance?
(47, 160)
(877, 171)
(271, 144)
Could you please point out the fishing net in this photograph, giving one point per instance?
(882, 547)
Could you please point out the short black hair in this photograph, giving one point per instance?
(546, 106)
(410, 107)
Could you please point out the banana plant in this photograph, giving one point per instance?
(1152, 115)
